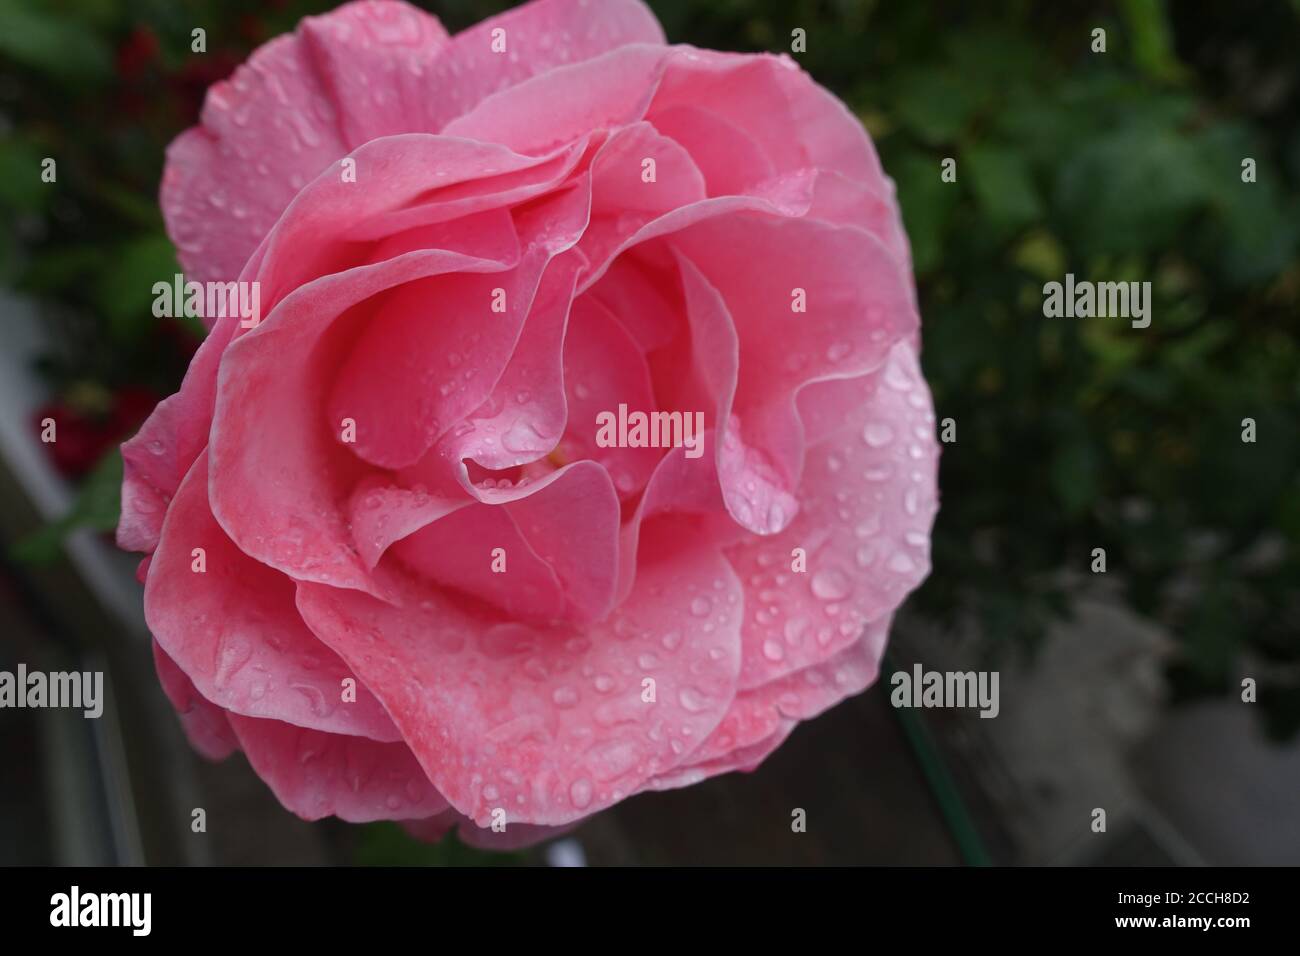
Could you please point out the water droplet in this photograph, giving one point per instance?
(831, 584)
(877, 434)
(580, 793)
(691, 700)
(565, 697)
(901, 563)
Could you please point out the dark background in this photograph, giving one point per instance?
(1120, 691)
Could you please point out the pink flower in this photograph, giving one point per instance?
(389, 559)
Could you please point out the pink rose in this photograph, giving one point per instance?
(389, 559)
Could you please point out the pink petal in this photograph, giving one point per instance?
(568, 520)
(772, 117)
(761, 711)
(280, 478)
(550, 725)
(525, 414)
(635, 296)
(402, 183)
(234, 631)
(162, 452)
(374, 59)
(622, 201)
(539, 37)
(383, 513)
(317, 774)
(206, 726)
(565, 104)
(457, 552)
(745, 759)
(603, 368)
(442, 366)
(857, 307)
(867, 502)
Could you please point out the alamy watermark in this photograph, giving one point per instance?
(78, 690)
(1085, 299)
(75, 908)
(208, 300)
(949, 689)
(624, 429)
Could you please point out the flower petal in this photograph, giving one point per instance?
(538, 37)
(550, 725)
(230, 625)
(867, 502)
(317, 774)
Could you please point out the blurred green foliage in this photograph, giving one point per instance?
(1072, 434)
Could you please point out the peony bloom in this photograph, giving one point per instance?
(389, 559)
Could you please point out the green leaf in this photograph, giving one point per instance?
(20, 176)
(58, 47)
(1151, 39)
(1003, 186)
(1131, 191)
(1074, 475)
(933, 107)
(927, 204)
(125, 289)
